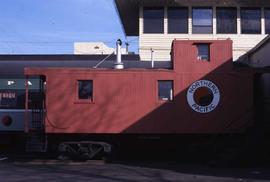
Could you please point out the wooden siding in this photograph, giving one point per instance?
(126, 101)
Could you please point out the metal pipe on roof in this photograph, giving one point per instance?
(152, 58)
(118, 64)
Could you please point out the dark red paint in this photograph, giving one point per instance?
(126, 101)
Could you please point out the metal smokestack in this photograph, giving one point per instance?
(118, 64)
(127, 44)
(152, 58)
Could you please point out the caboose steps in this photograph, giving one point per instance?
(36, 142)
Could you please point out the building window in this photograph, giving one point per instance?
(177, 20)
(165, 90)
(251, 20)
(85, 89)
(227, 20)
(153, 20)
(202, 20)
(203, 52)
(267, 20)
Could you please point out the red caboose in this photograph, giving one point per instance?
(203, 93)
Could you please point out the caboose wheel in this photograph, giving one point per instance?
(86, 150)
(63, 157)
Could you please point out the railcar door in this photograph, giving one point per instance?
(264, 99)
(260, 132)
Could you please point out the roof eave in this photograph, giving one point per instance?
(128, 12)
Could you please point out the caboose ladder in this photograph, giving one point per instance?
(36, 140)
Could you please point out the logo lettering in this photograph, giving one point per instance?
(203, 96)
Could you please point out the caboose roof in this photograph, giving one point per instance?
(65, 57)
(128, 10)
(15, 64)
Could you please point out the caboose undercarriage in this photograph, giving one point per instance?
(208, 147)
(154, 146)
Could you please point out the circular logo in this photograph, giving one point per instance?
(203, 96)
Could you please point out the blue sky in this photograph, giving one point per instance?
(51, 26)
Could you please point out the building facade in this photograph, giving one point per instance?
(159, 22)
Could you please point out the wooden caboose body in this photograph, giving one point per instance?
(206, 95)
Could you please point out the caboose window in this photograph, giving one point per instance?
(203, 52)
(165, 90)
(85, 89)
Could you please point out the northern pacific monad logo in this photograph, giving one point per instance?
(203, 96)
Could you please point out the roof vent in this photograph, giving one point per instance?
(118, 64)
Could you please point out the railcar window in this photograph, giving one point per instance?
(153, 20)
(85, 89)
(202, 20)
(251, 20)
(12, 92)
(8, 99)
(267, 20)
(165, 90)
(203, 52)
(177, 20)
(227, 20)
